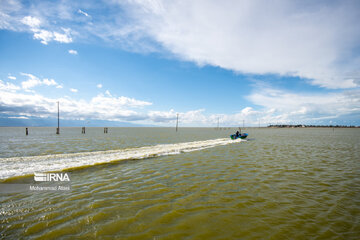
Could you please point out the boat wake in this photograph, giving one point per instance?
(19, 166)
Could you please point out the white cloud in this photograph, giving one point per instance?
(43, 35)
(50, 82)
(34, 81)
(11, 77)
(275, 106)
(284, 107)
(162, 116)
(99, 107)
(200, 118)
(312, 40)
(21, 117)
(316, 40)
(119, 101)
(43, 32)
(73, 52)
(8, 86)
(47, 36)
(63, 37)
(252, 36)
(196, 117)
(190, 118)
(32, 22)
(73, 90)
(99, 85)
(31, 82)
(83, 13)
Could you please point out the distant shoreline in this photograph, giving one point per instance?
(216, 128)
(310, 126)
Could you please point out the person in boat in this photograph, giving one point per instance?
(237, 134)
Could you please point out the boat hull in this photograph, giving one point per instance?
(241, 136)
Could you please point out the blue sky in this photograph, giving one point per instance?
(142, 62)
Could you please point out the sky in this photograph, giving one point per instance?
(140, 63)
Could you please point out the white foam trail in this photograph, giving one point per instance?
(19, 166)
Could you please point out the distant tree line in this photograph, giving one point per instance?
(310, 126)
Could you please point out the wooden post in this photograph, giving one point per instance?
(27, 132)
(177, 121)
(58, 128)
(83, 130)
(106, 130)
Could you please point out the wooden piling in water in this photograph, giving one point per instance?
(58, 128)
(177, 121)
(106, 130)
(83, 130)
(27, 131)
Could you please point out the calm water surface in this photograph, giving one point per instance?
(280, 184)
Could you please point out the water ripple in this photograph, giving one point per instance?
(281, 187)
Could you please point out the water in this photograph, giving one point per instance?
(194, 184)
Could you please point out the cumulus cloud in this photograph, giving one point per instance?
(73, 52)
(47, 36)
(99, 107)
(40, 30)
(16, 100)
(119, 101)
(99, 85)
(50, 82)
(162, 116)
(8, 86)
(280, 106)
(34, 81)
(11, 77)
(73, 90)
(32, 22)
(43, 35)
(63, 37)
(273, 106)
(199, 117)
